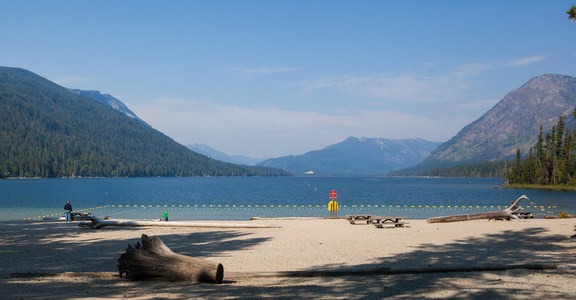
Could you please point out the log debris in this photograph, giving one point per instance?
(154, 260)
(388, 271)
(96, 223)
(501, 214)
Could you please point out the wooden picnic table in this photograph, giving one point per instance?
(525, 215)
(365, 217)
(519, 215)
(381, 221)
(80, 216)
(378, 221)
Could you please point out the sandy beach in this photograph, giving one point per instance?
(57, 260)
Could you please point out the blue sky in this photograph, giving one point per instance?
(274, 78)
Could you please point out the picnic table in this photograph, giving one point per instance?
(382, 221)
(80, 216)
(378, 221)
(365, 218)
(519, 215)
(525, 215)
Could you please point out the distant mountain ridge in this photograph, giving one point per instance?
(357, 157)
(215, 154)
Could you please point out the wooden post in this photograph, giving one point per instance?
(154, 260)
(507, 213)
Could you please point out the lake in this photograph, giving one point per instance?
(239, 198)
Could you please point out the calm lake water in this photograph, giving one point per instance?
(239, 198)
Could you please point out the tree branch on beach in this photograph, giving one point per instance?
(503, 214)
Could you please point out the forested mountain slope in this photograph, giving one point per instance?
(48, 131)
(513, 123)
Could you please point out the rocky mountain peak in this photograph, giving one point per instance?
(513, 123)
(550, 83)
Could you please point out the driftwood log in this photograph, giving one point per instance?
(501, 214)
(388, 271)
(154, 260)
(96, 223)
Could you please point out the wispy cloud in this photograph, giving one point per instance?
(416, 87)
(272, 131)
(71, 80)
(261, 71)
(526, 61)
(472, 69)
(476, 68)
(405, 87)
(277, 132)
(236, 130)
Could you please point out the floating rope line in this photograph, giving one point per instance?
(300, 206)
(292, 206)
(60, 214)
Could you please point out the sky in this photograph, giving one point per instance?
(279, 77)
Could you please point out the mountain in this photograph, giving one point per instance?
(215, 154)
(49, 131)
(513, 123)
(357, 157)
(107, 100)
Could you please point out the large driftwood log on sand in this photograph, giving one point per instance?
(96, 223)
(507, 213)
(154, 260)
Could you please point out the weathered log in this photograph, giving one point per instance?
(96, 223)
(501, 214)
(388, 271)
(154, 260)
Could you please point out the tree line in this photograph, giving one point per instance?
(551, 161)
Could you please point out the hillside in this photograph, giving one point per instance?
(215, 154)
(357, 157)
(513, 123)
(107, 100)
(48, 131)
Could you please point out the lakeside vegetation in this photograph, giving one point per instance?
(542, 186)
(551, 163)
(492, 169)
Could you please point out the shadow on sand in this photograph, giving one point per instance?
(509, 247)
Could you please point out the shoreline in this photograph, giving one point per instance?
(553, 187)
(70, 258)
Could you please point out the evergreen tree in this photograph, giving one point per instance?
(551, 161)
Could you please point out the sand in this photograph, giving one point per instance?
(57, 260)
